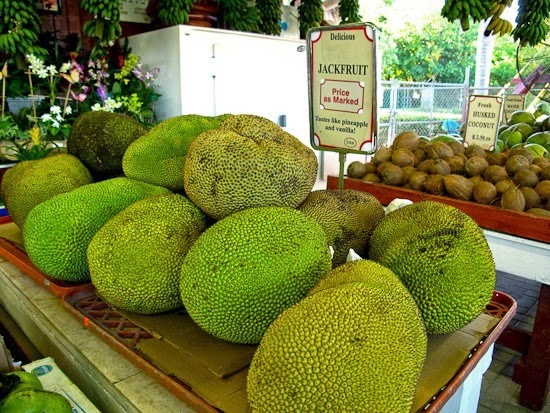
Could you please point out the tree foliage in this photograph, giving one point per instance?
(417, 44)
(439, 52)
(504, 61)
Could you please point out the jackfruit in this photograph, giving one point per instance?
(249, 161)
(58, 230)
(99, 139)
(348, 218)
(356, 343)
(442, 257)
(158, 156)
(135, 258)
(245, 269)
(35, 401)
(29, 183)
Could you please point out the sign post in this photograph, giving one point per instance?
(342, 89)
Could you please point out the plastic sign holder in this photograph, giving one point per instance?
(512, 102)
(343, 83)
(482, 121)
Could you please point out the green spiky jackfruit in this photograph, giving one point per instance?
(29, 183)
(348, 218)
(246, 269)
(356, 343)
(135, 258)
(249, 161)
(158, 156)
(442, 257)
(99, 139)
(58, 231)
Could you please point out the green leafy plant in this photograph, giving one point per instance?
(105, 26)
(173, 12)
(19, 29)
(9, 130)
(33, 148)
(349, 11)
(270, 11)
(310, 15)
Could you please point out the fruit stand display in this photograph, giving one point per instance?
(250, 262)
(147, 341)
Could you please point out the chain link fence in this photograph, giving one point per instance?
(429, 108)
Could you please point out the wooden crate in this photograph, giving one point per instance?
(520, 224)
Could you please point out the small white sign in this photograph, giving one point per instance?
(482, 122)
(134, 11)
(511, 104)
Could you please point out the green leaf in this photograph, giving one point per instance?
(117, 90)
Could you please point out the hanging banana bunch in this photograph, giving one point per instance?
(463, 10)
(19, 29)
(270, 12)
(238, 15)
(498, 25)
(105, 26)
(174, 12)
(349, 11)
(310, 14)
(532, 22)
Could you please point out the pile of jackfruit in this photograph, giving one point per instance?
(218, 215)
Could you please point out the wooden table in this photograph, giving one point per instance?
(520, 244)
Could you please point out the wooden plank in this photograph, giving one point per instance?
(520, 224)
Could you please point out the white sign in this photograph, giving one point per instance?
(343, 80)
(482, 121)
(134, 11)
(511, 104)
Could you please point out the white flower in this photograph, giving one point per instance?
(56, 110)
(55, 124)
(98, 107)
(52, 69)
(35, 64)
(112, 104)
(65, 67)
(59, 118)
(46, 117)
(68, 110)
(42, 73)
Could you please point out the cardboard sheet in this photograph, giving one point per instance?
(178, 330)
(12, 233)
(216, 370)
(446, 354)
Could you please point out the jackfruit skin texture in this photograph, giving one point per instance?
(244, 270)
(158, 156)
(135, 258)
(442, 257)
(57, 232)
(99, 139)
(249, 161)
(356, 343)
(348, 218)
(29, 183)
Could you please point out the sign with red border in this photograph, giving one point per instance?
(343, 83)
(482, 121)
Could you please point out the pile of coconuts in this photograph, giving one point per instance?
(513, 179)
